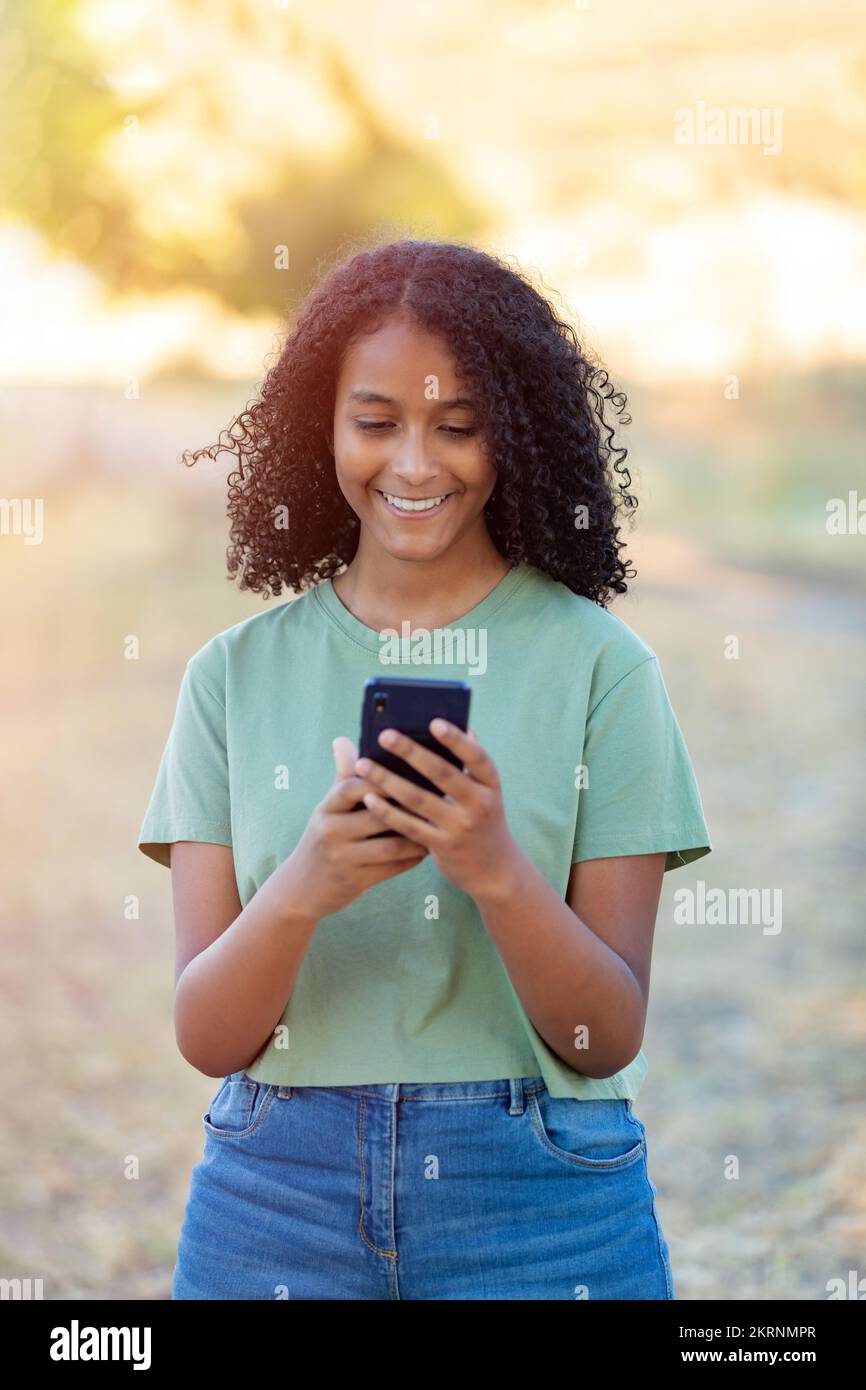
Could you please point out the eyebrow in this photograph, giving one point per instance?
(375, 398)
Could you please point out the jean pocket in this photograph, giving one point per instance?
(598, 1135)
(238, 1108)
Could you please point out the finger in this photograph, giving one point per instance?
(345, 755)
(412, 827)
(478, 763)
(384, 850)
(409, 794)
(391, 870)
(355, 829)
(346, 797)
(344, 794)
(343, 805)
(444, 775)
(353, 822)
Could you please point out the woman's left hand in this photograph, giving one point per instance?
(465, 829)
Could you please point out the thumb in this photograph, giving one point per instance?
(345, 756)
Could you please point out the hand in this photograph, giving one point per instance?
(333, 863)
(465, 830)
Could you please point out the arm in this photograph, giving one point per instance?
(236, 968)
(584, 961)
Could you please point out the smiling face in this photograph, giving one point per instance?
(410, 459)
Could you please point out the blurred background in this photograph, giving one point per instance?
(174, 178)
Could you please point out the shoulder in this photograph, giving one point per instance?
(585, 632)
(250, 641)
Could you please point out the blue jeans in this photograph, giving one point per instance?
(458, 1190)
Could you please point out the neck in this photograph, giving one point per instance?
(384, 591)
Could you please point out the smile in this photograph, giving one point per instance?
(407, 507)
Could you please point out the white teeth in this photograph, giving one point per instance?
(405, 505)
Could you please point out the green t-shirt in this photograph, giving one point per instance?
(405, 984)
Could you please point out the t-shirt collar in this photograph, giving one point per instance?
(368, 637)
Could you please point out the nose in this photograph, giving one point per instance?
(414, 463)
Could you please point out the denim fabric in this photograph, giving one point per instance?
(455, 1190)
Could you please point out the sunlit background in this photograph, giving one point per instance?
(173, 178)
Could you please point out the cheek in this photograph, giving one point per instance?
(481, 468)
(484, 476)
(350, 460)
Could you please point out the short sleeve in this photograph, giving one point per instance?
(641, 795)
(190, 798)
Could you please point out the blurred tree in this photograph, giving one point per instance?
(101, 163)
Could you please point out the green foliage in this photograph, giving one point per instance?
(63, 168)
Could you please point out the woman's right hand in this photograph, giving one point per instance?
(334, 861)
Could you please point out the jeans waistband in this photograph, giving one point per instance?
(514, 1088)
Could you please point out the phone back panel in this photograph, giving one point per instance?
(409, 705)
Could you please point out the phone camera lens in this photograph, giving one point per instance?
(379, 703)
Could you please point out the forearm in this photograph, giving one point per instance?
(232, 995)
(574, 988)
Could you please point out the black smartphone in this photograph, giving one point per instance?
(408, 705)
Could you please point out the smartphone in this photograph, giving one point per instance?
(408, 705)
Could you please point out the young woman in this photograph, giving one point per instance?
(430, 1042)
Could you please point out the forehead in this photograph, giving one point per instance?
(400, 355)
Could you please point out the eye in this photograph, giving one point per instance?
(456, 431)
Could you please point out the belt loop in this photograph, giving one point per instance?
(516, 1107)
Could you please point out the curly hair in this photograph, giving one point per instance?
(542, 405)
